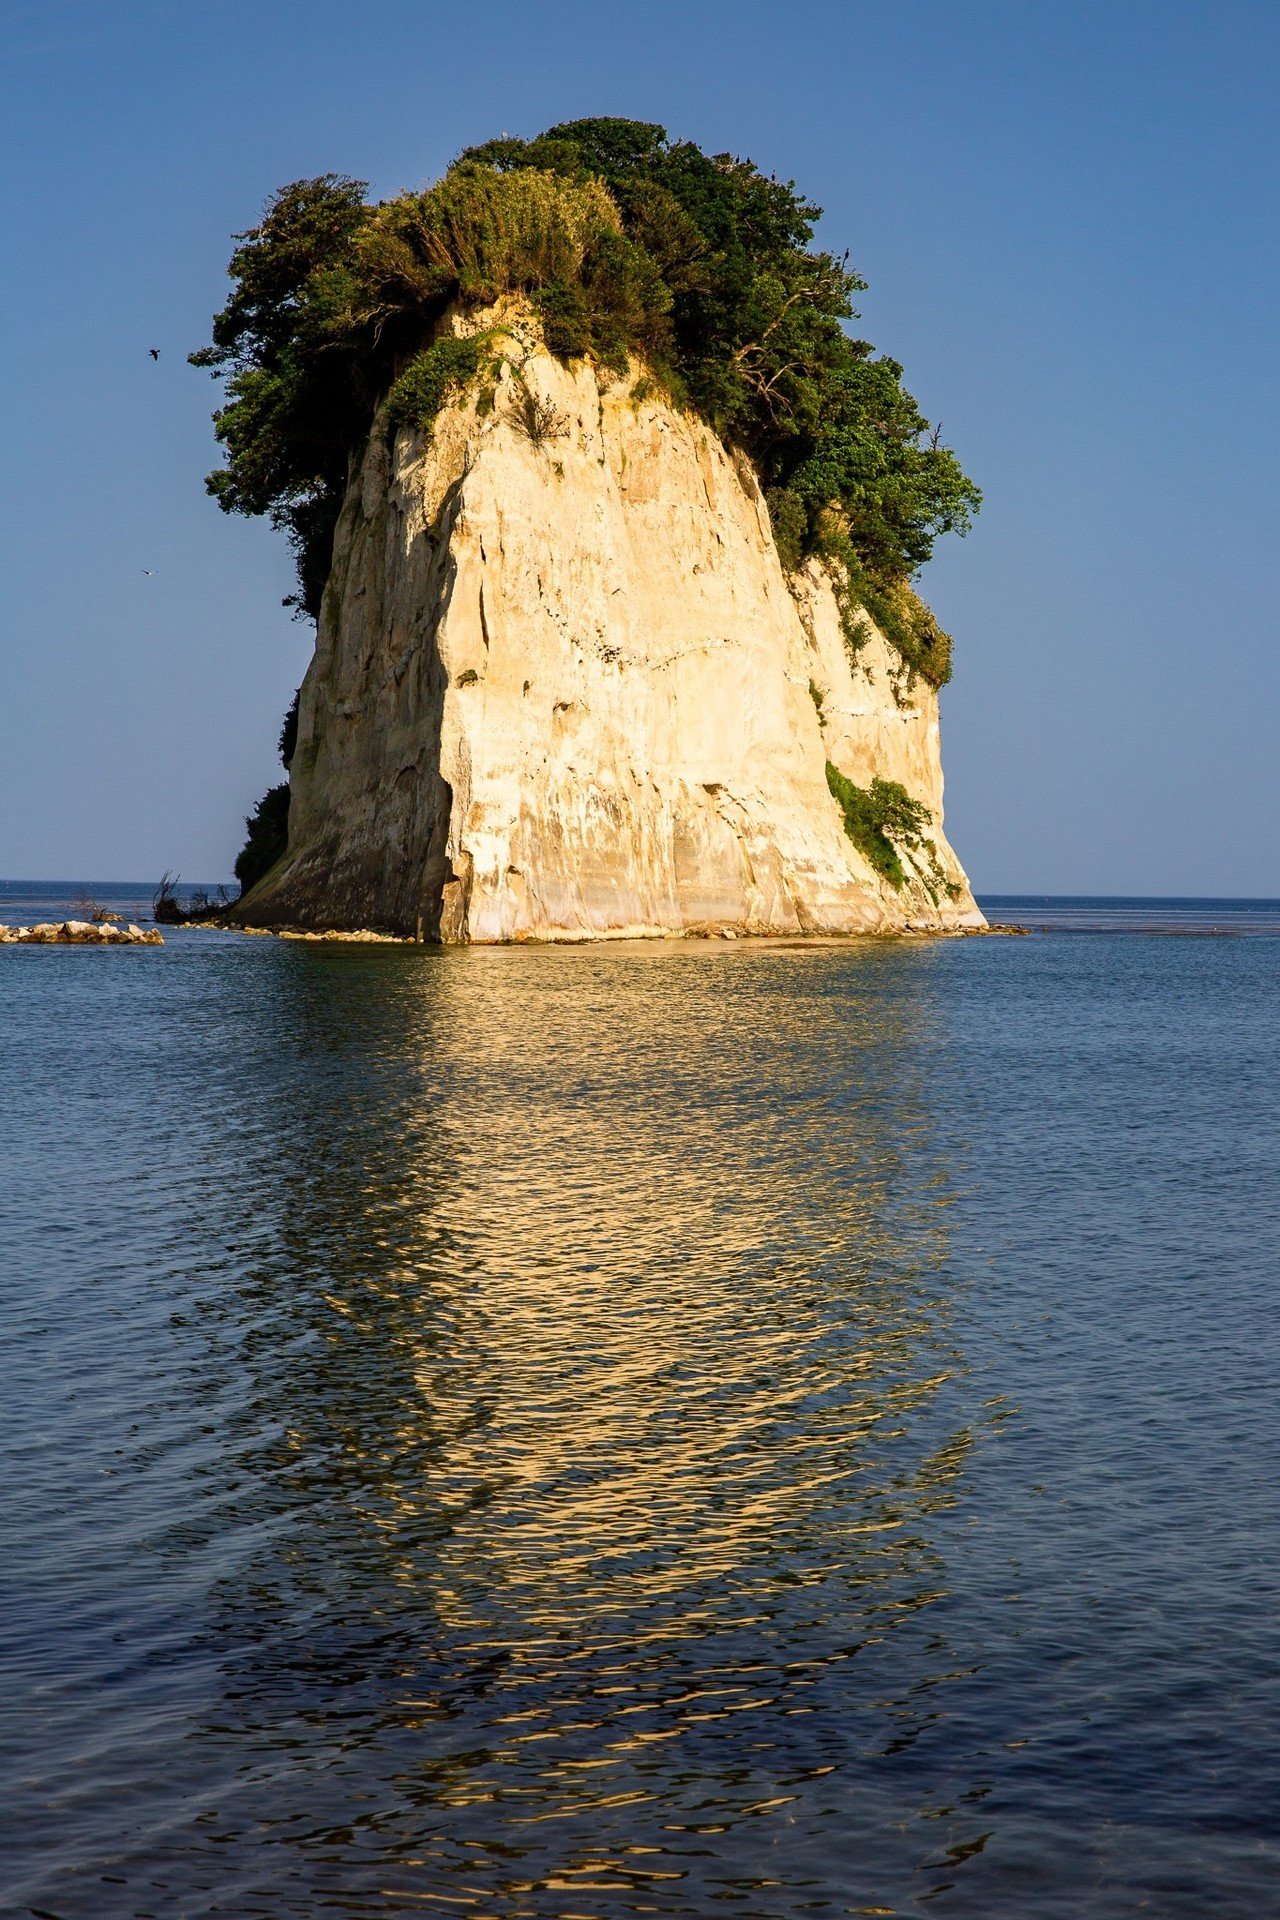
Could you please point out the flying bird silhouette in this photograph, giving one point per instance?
(154, 352)
(150, 572)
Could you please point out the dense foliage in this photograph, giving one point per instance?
(627, 243)
(268, 836)
(288, 741)
(432, 376)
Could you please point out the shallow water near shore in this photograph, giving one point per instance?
(676, 1428)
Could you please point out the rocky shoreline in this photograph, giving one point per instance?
(66, 933)
(592, 937)
(80, 933)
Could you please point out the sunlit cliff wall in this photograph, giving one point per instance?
(565, 689)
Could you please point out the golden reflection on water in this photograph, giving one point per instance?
(599, 1326)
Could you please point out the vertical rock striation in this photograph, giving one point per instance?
(563, 688)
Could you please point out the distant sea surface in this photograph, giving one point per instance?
(1102, 914)
(677, 1428)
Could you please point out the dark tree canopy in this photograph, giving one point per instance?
(267, 836)
(627, 243)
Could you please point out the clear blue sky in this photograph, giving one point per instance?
(1067, 215)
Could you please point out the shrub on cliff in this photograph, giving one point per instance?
(430, 377)
(268, 836)
(287, 744)
(882, 821)
(870, 816)
(627, 243)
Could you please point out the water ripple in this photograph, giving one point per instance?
(641, 1430)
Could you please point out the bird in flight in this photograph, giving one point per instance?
(154, 352)
(150, 572)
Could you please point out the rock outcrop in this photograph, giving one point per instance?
(80, 933)
(563, 688)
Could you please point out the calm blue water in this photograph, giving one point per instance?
(679, 1429)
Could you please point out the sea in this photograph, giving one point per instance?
(684, 1428)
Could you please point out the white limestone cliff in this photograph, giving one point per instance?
(565, 690)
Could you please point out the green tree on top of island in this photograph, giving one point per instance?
(627, 244)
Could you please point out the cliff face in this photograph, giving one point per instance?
(564, 689)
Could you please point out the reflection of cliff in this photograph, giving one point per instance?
(597, 1397)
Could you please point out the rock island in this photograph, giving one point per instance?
(608, 525)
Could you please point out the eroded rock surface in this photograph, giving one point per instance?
(564, 690)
